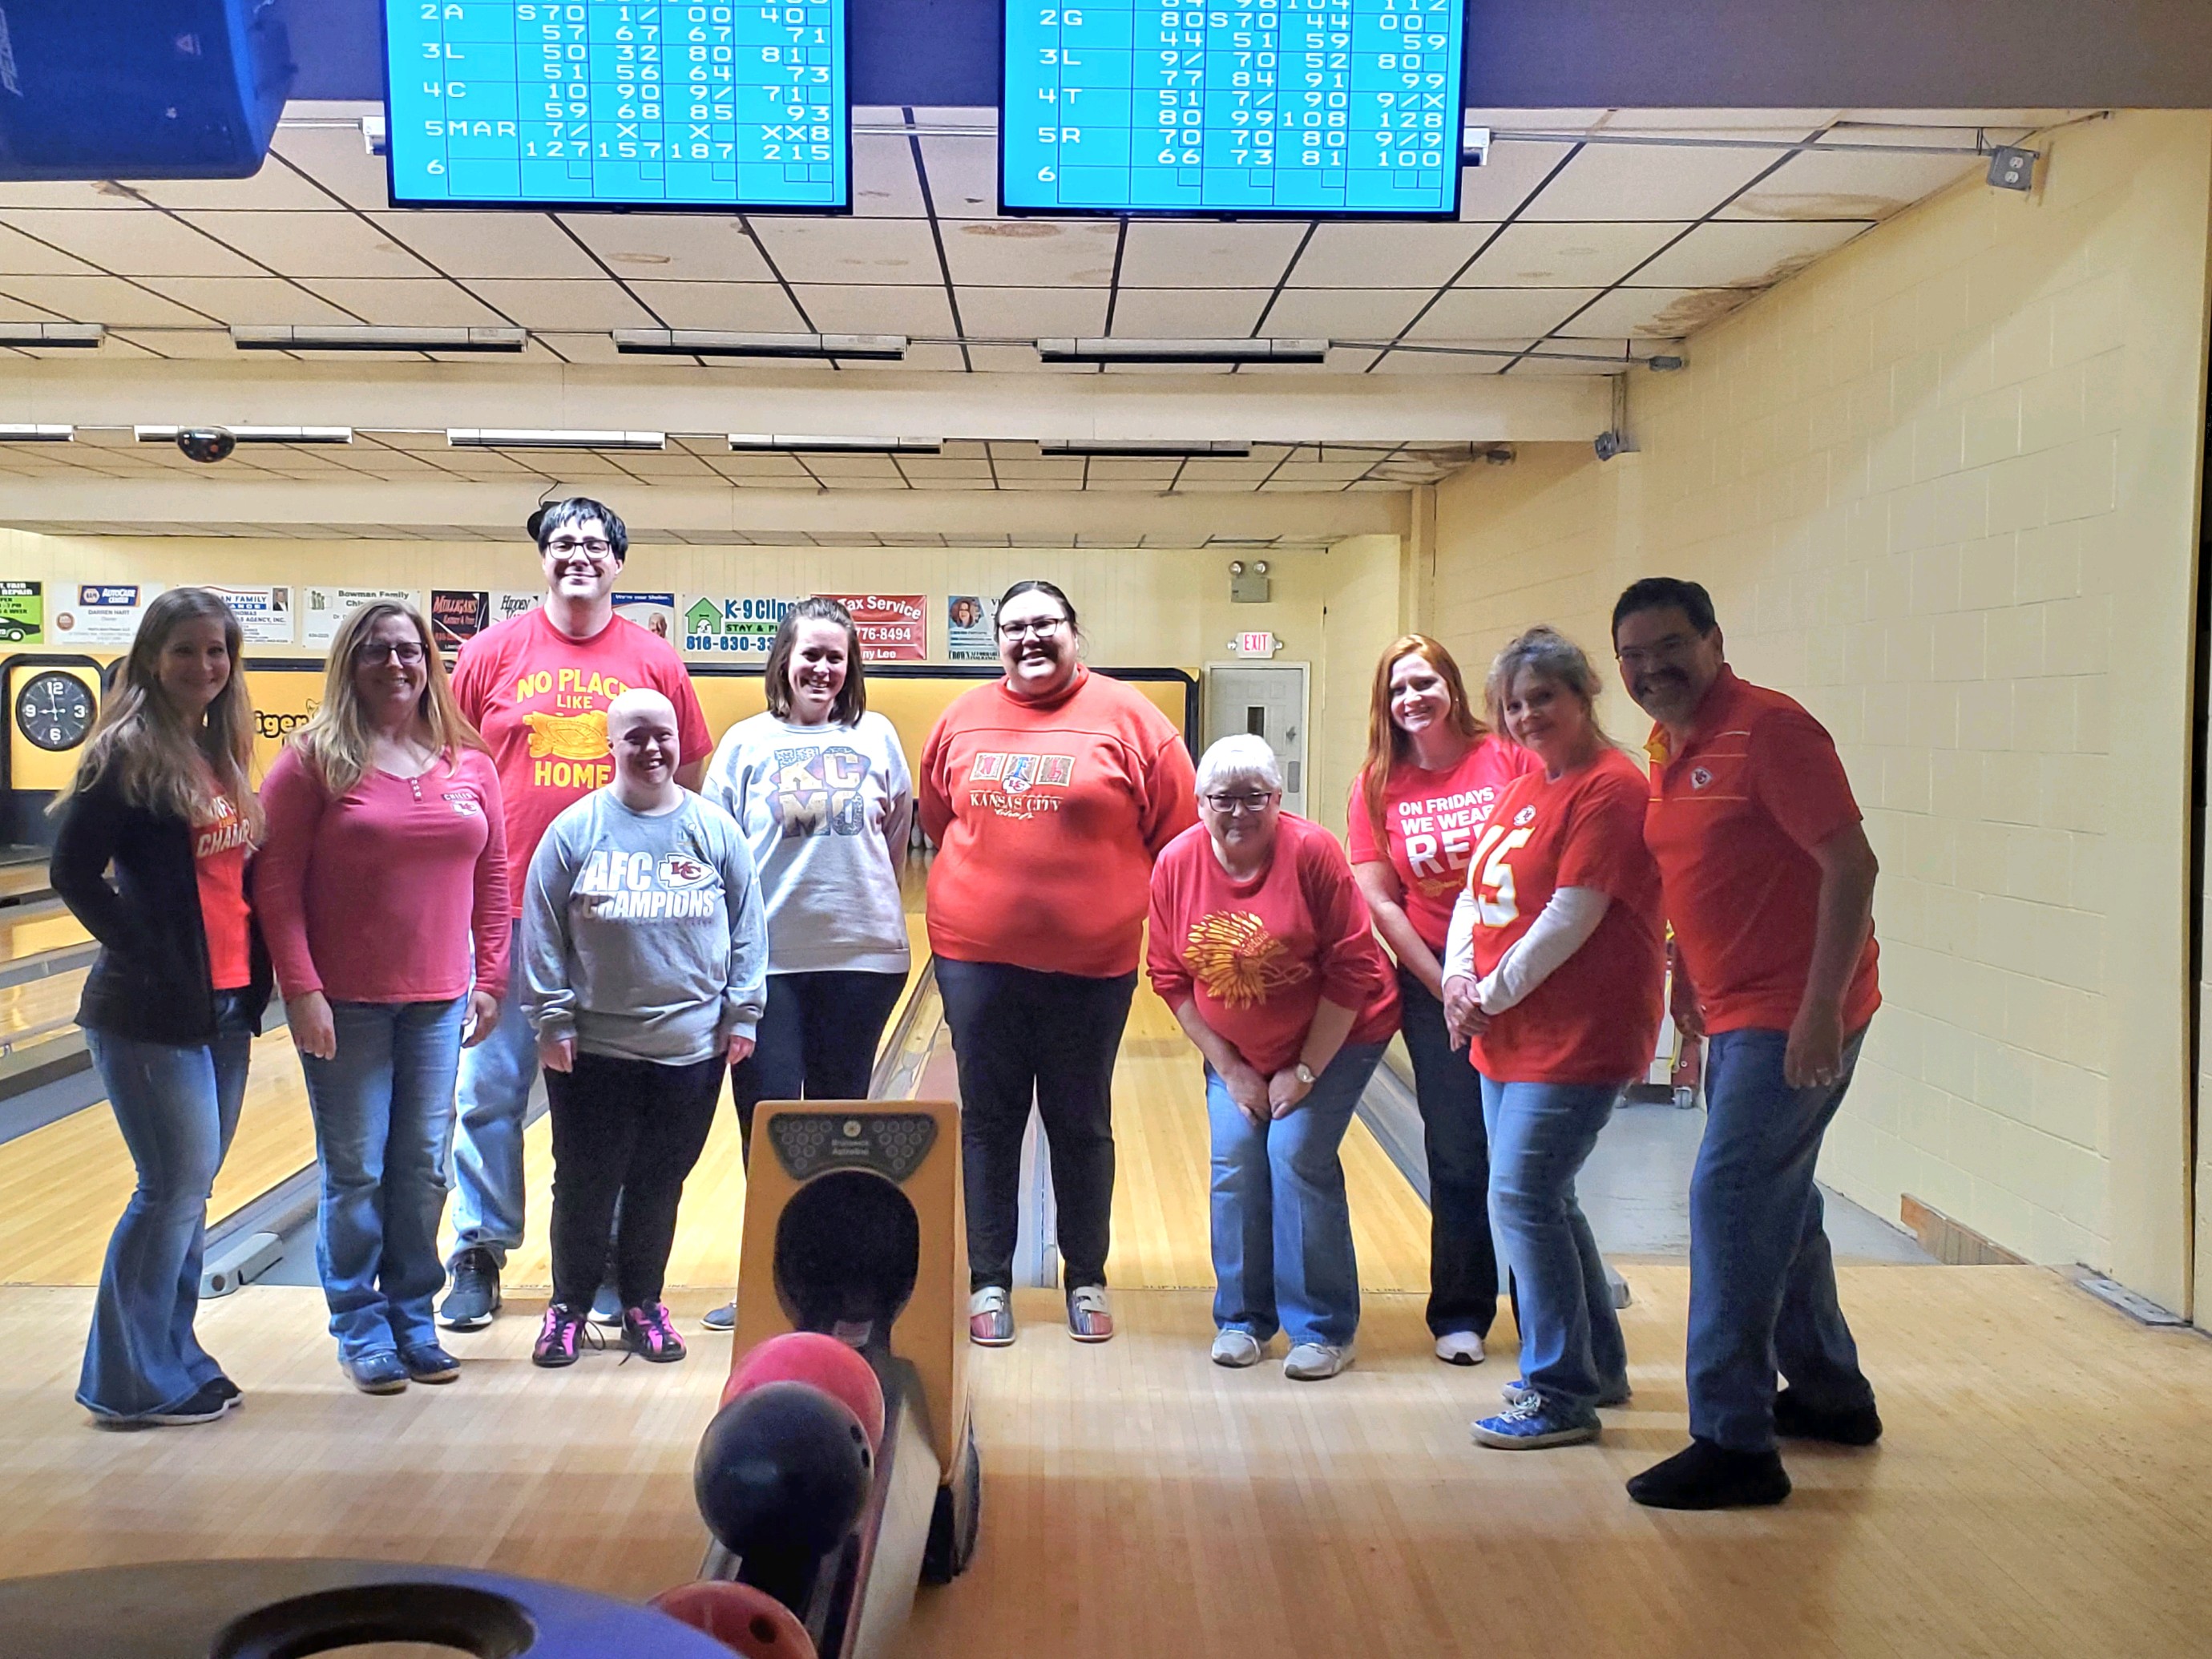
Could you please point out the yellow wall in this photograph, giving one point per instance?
(1364, 600)
(1944, 490)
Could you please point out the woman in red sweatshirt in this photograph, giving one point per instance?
(1049, 794)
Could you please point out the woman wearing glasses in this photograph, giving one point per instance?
(385, 862)
(1049, 791)
(1263, 947)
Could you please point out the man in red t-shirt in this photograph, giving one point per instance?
(1769, 886)
(538, 686)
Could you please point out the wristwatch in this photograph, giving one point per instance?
(1305, 1073)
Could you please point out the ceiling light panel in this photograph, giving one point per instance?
(349, 337)
(789, 443)
(711, 343)
(1140, 350)
(81, 335)
(472, 437)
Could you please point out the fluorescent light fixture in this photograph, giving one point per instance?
(254, 435)
(37, 435)
(344, 337)
(474, 437)
(83, 335)
(1143, 448)
(1182, 351)
(793, 443)
(712, 343)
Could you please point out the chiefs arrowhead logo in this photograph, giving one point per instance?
(679, 871)
(1700, 778)
(1527, 815)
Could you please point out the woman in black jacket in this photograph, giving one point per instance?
(150, 854)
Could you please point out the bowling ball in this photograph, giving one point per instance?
(783, 1470)
(837, 1367)
(747, 1620)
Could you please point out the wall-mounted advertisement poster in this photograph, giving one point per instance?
(653, 612)
(101, 613)
(892, 627)
(22, 612)
(733, 630)
(265, 614)
(327, 607)
(971, 628)
(458, 616)
(504, 605)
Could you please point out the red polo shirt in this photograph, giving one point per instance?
(1733, 821)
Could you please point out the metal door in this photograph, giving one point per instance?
(1268, 702)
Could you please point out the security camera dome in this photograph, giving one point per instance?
(206, 443)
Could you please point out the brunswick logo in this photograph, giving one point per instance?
(1237, 960)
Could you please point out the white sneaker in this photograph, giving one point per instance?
(1309, 1362)
(1238, 1349)
(1460, 1348)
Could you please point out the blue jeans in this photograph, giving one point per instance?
(178, 1109)
(384, 1126)
(494, 1092)
(1463, 1258)
(1282, 1231)
(1762, 1281)
(1571, 1351)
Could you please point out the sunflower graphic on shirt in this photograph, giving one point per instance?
(1238, 961)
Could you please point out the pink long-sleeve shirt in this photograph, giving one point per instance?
(374, 896)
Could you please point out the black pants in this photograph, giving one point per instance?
(631, 1129)
(1462, 1260)
(817, 1041)
(1019, 1033)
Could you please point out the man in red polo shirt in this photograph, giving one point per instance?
(1768, 887)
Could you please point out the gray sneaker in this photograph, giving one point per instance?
(1236, 1349)
(473, 1297)
(1311, 1362)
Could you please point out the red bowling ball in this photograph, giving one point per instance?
(837, 1367)
(742, 1619)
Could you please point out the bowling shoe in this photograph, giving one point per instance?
(1089, 1316)
(379, 1372)
(724, 1318)
(991, 1317)
(1236, 1349)
(426, 1362)
(648, 1332)
(558, 1337)
(1315, 1362)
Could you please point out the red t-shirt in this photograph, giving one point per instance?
(540, 699)
(1048, 815)
(219, 842)
(1732, 821)
(1259, 956)
(1596, 1018)
(1429, 822)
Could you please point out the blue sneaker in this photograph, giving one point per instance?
(1531, 1426)
(1518, 1390)
(377, 1373)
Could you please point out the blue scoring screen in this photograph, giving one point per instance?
(618, 103)
(1238, 106)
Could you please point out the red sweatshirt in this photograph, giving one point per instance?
(1048, 815)
(1259, 956)
(373, 897)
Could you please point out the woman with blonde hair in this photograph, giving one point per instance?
(385, 863)
(1433, 773)
(162, 799)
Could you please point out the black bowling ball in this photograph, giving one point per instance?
(782, 1471)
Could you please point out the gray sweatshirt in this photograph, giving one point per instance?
(826, 810)
(642, 937)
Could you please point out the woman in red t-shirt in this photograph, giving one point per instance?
(1433, 772)
(1261, 944)
(149, 854)
(1553, 972)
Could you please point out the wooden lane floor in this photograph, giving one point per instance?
(46, 930)
(62, 1186)
(2045, 1488)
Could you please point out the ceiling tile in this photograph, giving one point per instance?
(1031, 252)
(131, 241)
(276, 188)
(1438, 362)
(1649, 181)
(311, 244)
(1495, 191)
(265, 301)
(201, 342)
(1189, 314)
(336, 159)
(856, 310)
(19, 256)
(964, 176)
(1030, 314)
(429, 303)
(1788, 124)
(1409, 256)
(60, 193)
(489, 244)
(1497, 314)
(1587, 255)
(594, 346)
(107, 300)
(564, 305)
(884, 183)
(1849, 185)
(740, 307)
(1014, 360)
(1568, 368)
(671, 246)
(932, 354)
(1206, 254)
(871, 251)
(1658, 312)
(1735, 254)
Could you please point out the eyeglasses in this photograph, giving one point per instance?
(1043, 628)
(1671, 647)
(407, 652)
(562, 547)
(1256, 802)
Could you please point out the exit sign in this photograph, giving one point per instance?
(1256, 645)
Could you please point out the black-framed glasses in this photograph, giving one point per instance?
(409, 651)
(1043, 628)
(1255, 801)
(563, 546)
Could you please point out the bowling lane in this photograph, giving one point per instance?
(46, 930)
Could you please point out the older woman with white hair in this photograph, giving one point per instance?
(1263, 945)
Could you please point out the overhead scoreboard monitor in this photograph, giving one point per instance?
(1238, 106)
(646, 104)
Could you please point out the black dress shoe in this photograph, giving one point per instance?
(1795, 1421)
(1707, 1476)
